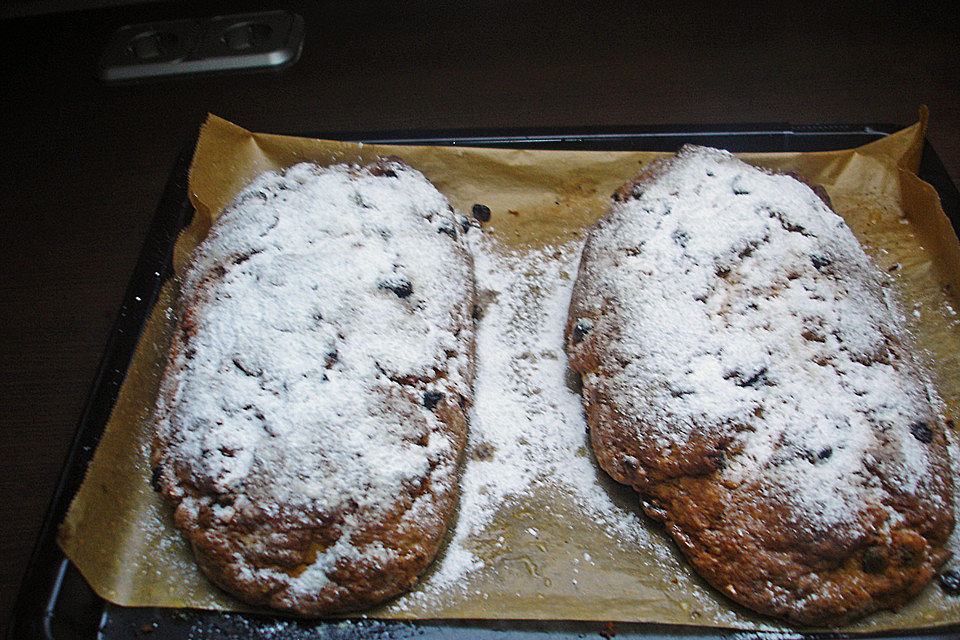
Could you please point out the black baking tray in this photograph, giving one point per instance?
(55, 602)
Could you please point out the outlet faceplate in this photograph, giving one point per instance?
(269, 40)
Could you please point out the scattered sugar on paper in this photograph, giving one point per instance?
(527, 426)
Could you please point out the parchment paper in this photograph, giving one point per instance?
(122, 539)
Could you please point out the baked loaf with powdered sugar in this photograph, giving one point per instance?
(746, 372)
(313, 411)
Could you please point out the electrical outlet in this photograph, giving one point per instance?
(269, 40)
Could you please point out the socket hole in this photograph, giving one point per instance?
(247, 35)
(154, 45)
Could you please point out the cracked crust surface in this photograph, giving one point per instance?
(745, 371)
(313, 410)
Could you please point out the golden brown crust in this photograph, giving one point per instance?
(739, 543)
(741, 531)
(290, 546)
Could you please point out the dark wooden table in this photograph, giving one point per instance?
(82, 165)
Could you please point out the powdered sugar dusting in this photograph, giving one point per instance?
(746, 313)
(323, 320)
